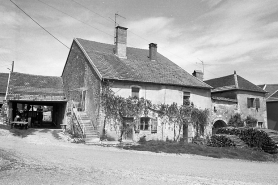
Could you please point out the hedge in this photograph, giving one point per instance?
(265, 139)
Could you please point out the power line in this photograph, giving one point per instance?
(39, 25)
(75, 18)
(93, 11)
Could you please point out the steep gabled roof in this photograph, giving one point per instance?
(27, 84)
(233, 82)
(270, 88)
(137, 67)
(3, 82)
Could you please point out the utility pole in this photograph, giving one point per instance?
(12, 66)
(116, 15)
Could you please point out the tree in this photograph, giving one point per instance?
(251, 121)
(236, 121)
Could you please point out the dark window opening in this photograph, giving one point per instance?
(186, 98)
(154, 126)
(250, 102)
(135, 92)
(144, 123)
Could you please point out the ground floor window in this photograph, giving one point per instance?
(154, 125)
(260, 124)
(144, 123)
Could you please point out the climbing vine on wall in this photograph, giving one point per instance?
(116, 108)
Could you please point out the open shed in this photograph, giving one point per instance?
(33, 96)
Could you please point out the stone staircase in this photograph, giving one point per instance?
(91, 135)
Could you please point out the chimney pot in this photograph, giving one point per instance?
(198, 74)
(152, 51)
(121, 37)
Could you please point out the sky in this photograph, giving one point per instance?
(226, 35)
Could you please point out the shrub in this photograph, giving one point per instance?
(142, 140)
(264, 139)
(251, 121)
(236, 121)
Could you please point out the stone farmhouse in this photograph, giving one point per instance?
(233, 94)
(271, 105)
(134, 72)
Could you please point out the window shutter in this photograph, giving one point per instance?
(248, 102)
(257, 103)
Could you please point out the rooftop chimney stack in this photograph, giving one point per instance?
(152, 51)
(121, 37)
(198, 74)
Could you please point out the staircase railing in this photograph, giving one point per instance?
(74, 111)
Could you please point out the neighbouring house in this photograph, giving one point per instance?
(271, 105)
(134, 72)
(26, 93)
(233, 94)
(3, 87)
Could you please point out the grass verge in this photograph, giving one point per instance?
(203, 150)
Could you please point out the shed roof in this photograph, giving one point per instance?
(28, 84)
(270, 88)
(137, 67)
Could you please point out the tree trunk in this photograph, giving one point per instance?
(185, 133)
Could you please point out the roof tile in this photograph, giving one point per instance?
(137, 67)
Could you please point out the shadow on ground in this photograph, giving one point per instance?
(30, 131)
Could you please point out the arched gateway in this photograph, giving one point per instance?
(218, 124)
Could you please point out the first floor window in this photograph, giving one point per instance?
(250, 102)
(253, 103)
(144, 123)
(186, 97)
(135, 92)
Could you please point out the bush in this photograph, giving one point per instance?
(251, 121)
(264, 139)
(236, 121)
(142, 140)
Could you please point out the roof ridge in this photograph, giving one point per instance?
(35, 74)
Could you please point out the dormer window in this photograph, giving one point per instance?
(135, 92)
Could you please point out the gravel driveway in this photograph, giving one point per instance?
(39, 158)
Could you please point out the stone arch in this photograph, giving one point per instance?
(218, 124)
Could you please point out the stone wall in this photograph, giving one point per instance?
(78, 76)
(258, 113)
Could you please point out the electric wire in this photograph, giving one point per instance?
(75, 18)
(40, 25)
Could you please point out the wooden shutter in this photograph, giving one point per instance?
(248, 102)
(257, 103)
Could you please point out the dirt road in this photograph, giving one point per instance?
(40, 158)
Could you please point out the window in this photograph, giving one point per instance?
(154, 126)
(260, 124)
(186, 97)
(250, 102)
(144, 123)
(135, 91)
(253, 103)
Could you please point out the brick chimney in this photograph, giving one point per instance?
(152, 51)
(121, 37)
(198, 74)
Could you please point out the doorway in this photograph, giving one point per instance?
(218, 124)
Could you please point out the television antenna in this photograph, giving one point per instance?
(116, 24)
